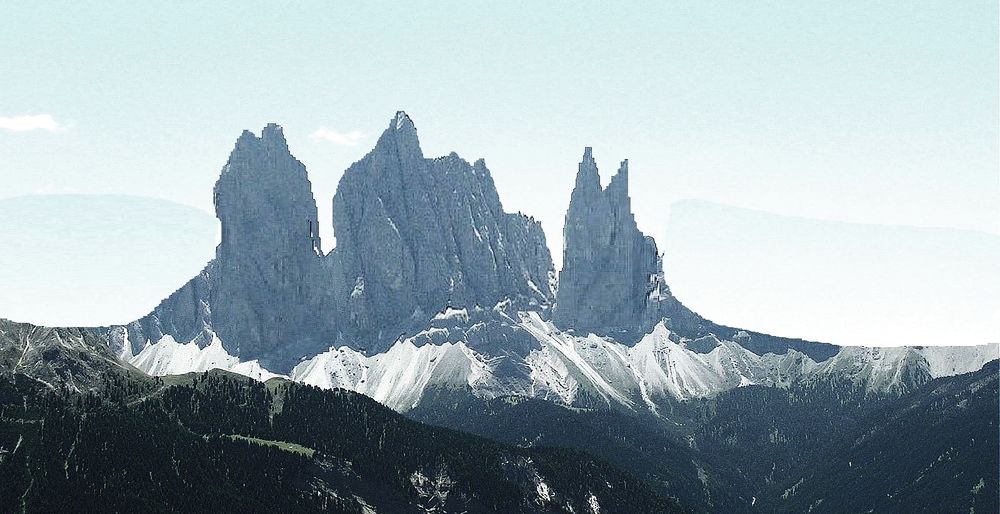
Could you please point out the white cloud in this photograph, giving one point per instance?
(30, 122)
(341, 138)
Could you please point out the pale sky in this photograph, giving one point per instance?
(844, 111)
(846, 283)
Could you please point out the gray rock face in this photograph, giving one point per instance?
(262, 293)
(186, 315)
(611, 280)
(416, 235)
(266, 294)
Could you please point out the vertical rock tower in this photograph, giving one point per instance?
(418, 235)
(267, 265)
(611, 275)
(612, 279)
(262, 294)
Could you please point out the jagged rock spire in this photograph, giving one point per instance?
(400, 140)
(605, 281)
(619, 182)
(416, 235)
(587, 177)
(263, 197)
(261, 295)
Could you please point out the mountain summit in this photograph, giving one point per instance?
(612, 282)
(416, 236)
(260, 296)
(438, 303)
(609, 279)
(433, 286)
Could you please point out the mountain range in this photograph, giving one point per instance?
(440, 305)
(431, 284)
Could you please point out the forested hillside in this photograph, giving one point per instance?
(213, 442)
(765, 449)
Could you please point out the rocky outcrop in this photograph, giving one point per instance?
(266, 296)
(262, 294)
(74, 359)
(609, 283)
(417, 235)
(612, 280)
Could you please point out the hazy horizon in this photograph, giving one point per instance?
(120, 256)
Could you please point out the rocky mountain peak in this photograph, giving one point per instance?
(612, 281)
(400, 141)
(608, 265)
(588, 180)
(273, 137)
(271, 145)
(618, 196)
(264, 191)
(261, 294)
(246, 139)
(416, 235)
(403, 121)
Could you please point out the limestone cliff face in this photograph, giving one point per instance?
(610, 280)
(265, 296)
(264, 200)
(416, 235)
(261, 294)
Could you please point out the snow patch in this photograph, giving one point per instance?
(593, 505)
(453, 314)
(544, 492)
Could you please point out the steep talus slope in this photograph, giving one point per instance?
(494, 353)
(170, 357)
(877, 371)
(751, 448)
